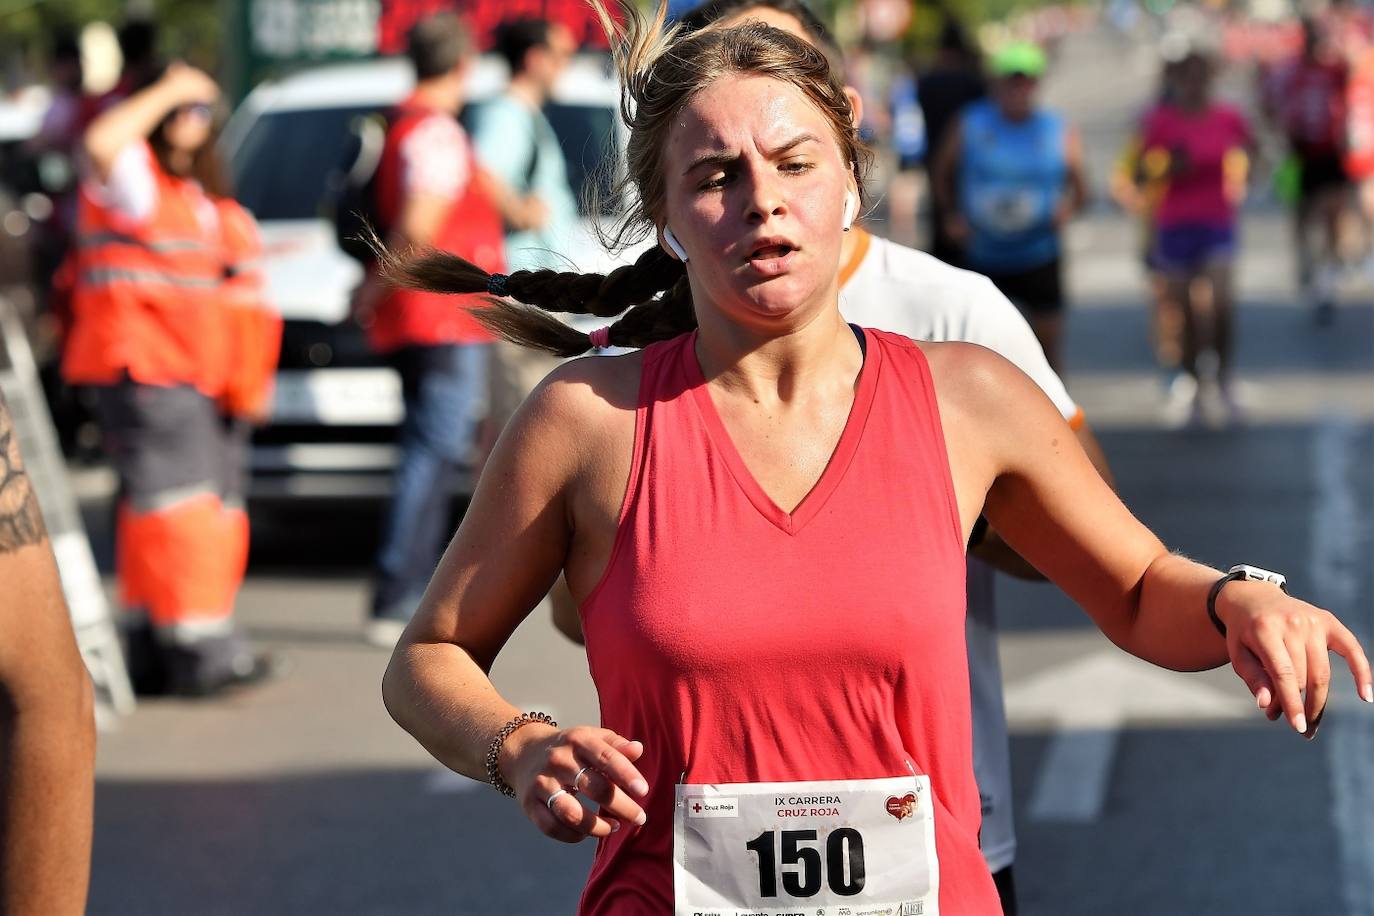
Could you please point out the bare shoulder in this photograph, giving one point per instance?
(579, 412)
(979, 384)
(970, 371)
(593, 390)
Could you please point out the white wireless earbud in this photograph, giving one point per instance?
(674, 245)
(848, 210)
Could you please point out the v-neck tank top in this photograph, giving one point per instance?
(744, 643)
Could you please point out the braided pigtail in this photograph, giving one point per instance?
(517, 307)
(662, 319)
(596, 294)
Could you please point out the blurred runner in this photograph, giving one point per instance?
(1309, 107)
(517, 145)
(1140, 198)
(1009, 177)
(430, 193)
(47, 720)
(1201, 149)
(953, 81)
(149, 333)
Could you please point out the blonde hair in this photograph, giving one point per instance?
(660, 71)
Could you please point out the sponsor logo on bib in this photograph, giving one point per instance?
(903, 807)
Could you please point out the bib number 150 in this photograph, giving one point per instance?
(842, 868)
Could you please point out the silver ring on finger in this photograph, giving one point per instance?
(554, 797)
(575, 783)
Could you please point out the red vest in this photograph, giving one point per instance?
(472, 230)
(146, 295)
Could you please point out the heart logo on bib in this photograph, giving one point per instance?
(903, 807)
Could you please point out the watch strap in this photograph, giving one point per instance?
(1217, 586)
(1239, 572)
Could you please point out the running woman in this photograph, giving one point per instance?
(1009, 177)
(1308, 96)
(1203, 148)
(890, 286)
(746, 510)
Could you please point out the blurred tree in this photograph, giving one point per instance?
(189, 29)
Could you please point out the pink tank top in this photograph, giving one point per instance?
(742, 643)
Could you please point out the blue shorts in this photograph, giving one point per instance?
(1189, 247)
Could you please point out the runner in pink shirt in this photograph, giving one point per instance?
(1201, 148)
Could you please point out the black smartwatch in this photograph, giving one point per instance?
(1249, 574)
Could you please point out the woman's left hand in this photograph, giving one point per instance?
(1280, 645)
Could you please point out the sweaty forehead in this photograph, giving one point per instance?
(740, 113)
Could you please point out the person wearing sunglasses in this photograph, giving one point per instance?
(159, 273)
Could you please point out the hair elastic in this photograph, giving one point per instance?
(496, 285)
(601, 337)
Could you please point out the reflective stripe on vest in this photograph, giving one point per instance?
(96, 277)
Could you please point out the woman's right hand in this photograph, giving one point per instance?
(538, 760)
(190, 85)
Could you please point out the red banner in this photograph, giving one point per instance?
(483, 16)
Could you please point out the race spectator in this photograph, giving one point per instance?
(148, 335)
(518, 146)
(430, 193)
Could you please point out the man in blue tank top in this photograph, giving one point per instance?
(1009, 176)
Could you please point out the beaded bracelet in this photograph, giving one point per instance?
(494, 750)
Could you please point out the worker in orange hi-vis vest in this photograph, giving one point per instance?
(154, 284)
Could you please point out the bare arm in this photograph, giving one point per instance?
(996, 553)
(513, 541)
(1012, 454)
(134, 118)
(47, 726)
(519, 211)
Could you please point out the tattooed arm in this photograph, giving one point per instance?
(47, 728)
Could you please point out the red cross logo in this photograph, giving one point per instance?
(697, 807)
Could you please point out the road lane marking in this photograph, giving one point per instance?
(1338, 544)
(1087, 702)
(447, 782)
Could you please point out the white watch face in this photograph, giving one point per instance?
(1256, 574)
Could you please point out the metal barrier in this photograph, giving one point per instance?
(90, 612)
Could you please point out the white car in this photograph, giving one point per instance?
(337, 404)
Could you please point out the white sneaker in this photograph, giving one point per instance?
(383, 632)
(1183, 402)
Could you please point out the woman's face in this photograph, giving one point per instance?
(755, 191)
(1194, 80)
(188, 129)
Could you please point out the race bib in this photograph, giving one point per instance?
(1007, 210)
(859, 847)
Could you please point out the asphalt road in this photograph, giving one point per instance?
(303, 797)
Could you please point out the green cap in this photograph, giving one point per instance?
(1019, 57)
